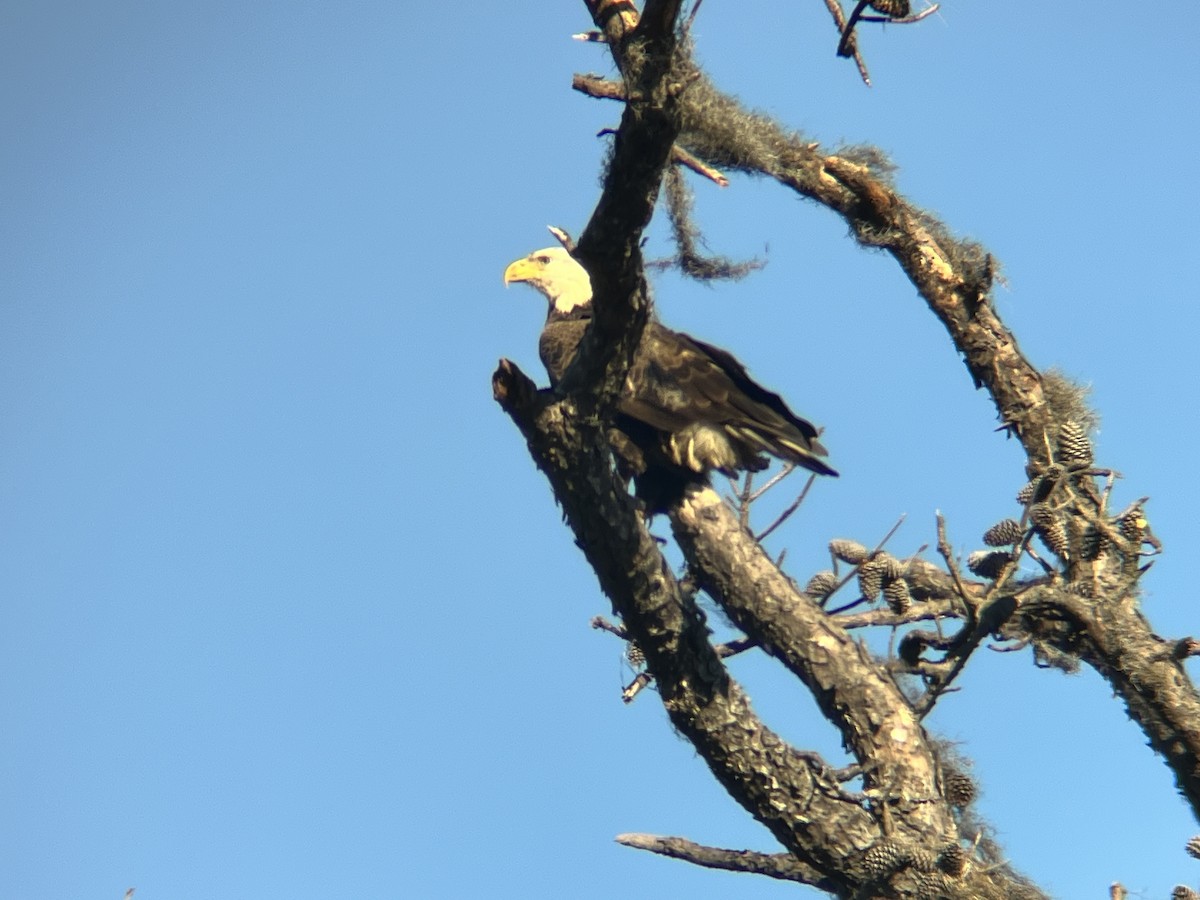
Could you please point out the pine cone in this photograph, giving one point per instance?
(870, 578)
(1193, 847)
(883, 859)
(1025, 494)
(933, 886)
(1074, 448)
(1050, 529)
(1004, 533)
(897, 595)
(635, 655)
(1133, 525)
(958, 789)
(821, 585)
(953, 860)
(1042, 485)
(892, 567)
(922, 860)
(849, 551)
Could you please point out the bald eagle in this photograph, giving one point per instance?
(687, 407)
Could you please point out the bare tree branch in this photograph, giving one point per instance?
(681, 156)
(774, 865)
(600, 88)
(854, 693)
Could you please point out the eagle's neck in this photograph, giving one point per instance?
(578, 313)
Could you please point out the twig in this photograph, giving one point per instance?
(783, 473)
(847, 607)
(602, 624)
(744, 500)
(847, 44)
(986, 621)
(947, 554)
(1180, 649)
(783, 866)
(787, 513)
(1026, 547)
(887, 537)
(1133, 507)
(681, 156)
(1109, 482)
(600, 88)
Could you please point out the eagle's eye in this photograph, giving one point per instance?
(543, 259)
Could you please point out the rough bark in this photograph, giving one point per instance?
(851, 688)
(780, 787)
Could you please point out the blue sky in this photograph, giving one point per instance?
(285, 609)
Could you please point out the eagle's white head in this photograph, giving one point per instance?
(560, 279)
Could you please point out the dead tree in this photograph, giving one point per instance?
(906, 830)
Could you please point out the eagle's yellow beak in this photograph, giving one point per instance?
(521, 270)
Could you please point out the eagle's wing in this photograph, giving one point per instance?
(715, 414)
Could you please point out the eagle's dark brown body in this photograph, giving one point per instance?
(687, 407)
(690, 407)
